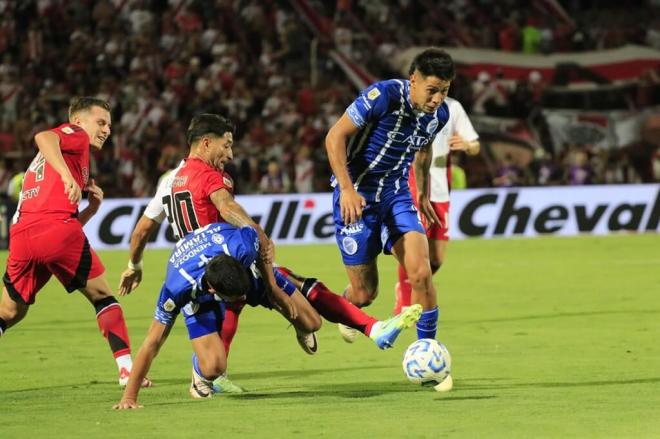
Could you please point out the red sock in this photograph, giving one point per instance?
(111, 322)
(337, 309)
(230, 324)
(403, 291)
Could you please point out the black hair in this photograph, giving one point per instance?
(227, 276)
(81, 103)
(208, 124)
(434, 62)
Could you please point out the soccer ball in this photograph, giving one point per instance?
(427, 361)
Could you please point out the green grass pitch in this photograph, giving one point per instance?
(550, 337)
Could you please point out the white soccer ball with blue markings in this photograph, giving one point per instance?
(426, 361)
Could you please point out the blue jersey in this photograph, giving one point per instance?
(186, 265)
(390, 133)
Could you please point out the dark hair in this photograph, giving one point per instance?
(206, 123)
(434, 62)
(80, 103)
(227, 276)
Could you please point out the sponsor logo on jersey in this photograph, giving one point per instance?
(432, 127)
(350, 245)
(415, 140)
(227, 181)
(190, 308)
(67, 130)
(352, 229)
(180, 181)
(373, 94)
(30, 193)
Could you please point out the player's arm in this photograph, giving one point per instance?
(457, 143)
(351, 202)
(132, 276)
(49, 146)
(277, 297)
(422, 165)
(94, 199)
(234, 214)
(156, 336)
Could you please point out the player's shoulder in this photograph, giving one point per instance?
(391, 88)
(454, 106)
(69, 130)
(443, 111)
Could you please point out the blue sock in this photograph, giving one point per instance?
(428, 324)
(195, 363)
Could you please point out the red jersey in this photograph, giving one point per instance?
(43, 191)
(188, 205)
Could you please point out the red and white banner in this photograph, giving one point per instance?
(624, 63)
(607, 129)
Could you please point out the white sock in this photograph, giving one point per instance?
(124, 361)
(375, 328)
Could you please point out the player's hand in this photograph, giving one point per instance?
(95, 197)
(351, 204)
(427, 210)
(126, 404)
(284, 302)
(129, 280)
(289, 307)
(71, 189)
(457, 143)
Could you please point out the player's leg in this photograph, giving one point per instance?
(209, 360)
(209, 363)
(111, 323)
(363, 283)
(438, 235)
(11, 311)
(306, 323)
(402, 290)
(405, 237)
(22, 280)
(230, 323)
(337, 309)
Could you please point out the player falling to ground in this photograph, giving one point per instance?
(197, 193)
(388, 123)
(48, 208)
(457, 135)
(221, 264)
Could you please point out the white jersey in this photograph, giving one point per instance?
(156, 209)
(458, 123)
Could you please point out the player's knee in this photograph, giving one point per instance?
(310, 322)
(364, 295)
(420, 275)
(212, 368)
(10, 315)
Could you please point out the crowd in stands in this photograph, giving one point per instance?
(158, 62)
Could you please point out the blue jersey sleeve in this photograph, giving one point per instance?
(371, 104)
(246, 248)
(167, 308)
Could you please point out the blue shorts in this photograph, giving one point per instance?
(381, 225)
(258, 296)
(203, 318)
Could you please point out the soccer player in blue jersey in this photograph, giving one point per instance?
(389, 124)
(221, 263)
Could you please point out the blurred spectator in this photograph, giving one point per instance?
(579, 170)
(304, 171)
(274, 181)
(508, 174)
